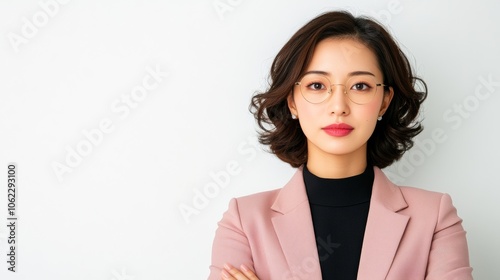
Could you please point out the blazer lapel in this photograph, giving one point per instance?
(295, 230)
(384, 229)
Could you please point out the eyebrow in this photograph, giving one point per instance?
(355, 73)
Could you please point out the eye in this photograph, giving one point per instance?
(316, 86)
(360, 87)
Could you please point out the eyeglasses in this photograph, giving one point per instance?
(360, 89)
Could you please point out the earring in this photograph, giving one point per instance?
(294, 117)
(379, 118)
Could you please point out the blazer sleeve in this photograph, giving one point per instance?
(449, 255)
(230, 243)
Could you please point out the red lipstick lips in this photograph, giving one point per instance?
(338, 129)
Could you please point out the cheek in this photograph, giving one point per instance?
(369, 113)
(309, 115)
(366, 116)
(372, 110)
(307, 111)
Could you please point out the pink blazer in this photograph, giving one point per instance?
(410, 234)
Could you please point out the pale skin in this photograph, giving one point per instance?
(331, 156)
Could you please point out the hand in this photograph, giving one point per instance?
(231, 273)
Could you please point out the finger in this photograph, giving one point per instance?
(248, 272)
(226, 276)
(234, 273)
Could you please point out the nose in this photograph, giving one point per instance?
(338, 101)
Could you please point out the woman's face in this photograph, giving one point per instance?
(338, 126)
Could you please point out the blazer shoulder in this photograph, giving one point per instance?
(261, 200)
(424, 200)
(426, 197)
(430, 204)
(418, 194)
(252, 213)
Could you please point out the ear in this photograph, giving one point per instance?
(386, 101)
(291, 104)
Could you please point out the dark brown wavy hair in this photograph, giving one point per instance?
(392, 136)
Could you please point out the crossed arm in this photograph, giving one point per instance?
(231, 273)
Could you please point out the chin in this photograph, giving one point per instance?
(339, 149)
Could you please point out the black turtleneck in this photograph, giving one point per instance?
(339, 209)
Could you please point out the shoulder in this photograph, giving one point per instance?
(281, 199)
(251, 213)
(415, 195)
(418, 203)
(257, 202)
(430, 205)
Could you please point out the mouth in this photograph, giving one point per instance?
(338, 129)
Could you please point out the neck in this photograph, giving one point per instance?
(331, 166)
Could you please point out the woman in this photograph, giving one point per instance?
(342, 104)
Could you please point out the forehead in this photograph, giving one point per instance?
(338, 57)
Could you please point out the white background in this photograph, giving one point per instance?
(115, 214)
